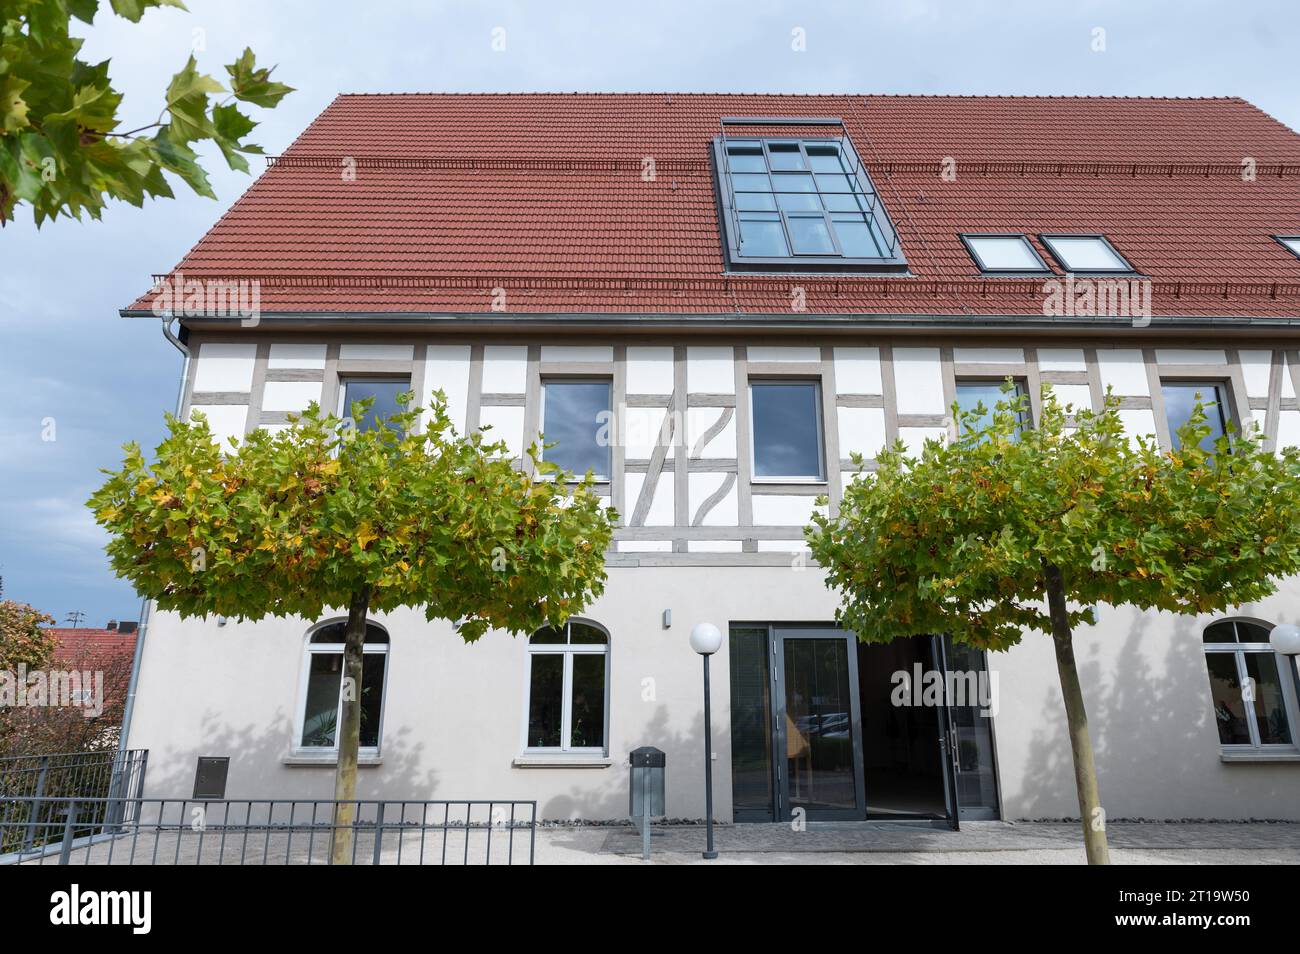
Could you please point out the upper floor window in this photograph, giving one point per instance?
(1180, 399)
(567, 683)
(576, 418)
(383, 393)
(787, 430)
(802, 203)
(1004, 252)
(322, 678)
(1291, 243)
(1253, 697)
(972, 394)
(1085, 253)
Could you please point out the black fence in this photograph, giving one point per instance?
(156, 831)
(35, 789)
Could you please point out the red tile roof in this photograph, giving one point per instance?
(81, 646)
(543, 195)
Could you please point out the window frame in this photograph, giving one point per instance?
(1021, 383)
(817, 262)
(1225, 404)
(543, 380)
(568, 650)
(1044, 268)
(819, 409)
(1046, 239)
(1286, 684)
(343, 410)
(311, 649)
(1284, 239)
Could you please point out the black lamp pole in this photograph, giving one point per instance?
(709, 852)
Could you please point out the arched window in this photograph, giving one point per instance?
(322, 678)
(568, 680)
(1254, 697)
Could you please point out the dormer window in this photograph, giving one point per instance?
(802, 204)
(1007, 253)
(1085, 253)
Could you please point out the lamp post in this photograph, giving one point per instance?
(1285, 639)
(706, 639)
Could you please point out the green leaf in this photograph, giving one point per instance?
(13, 109)
(187, 104)
(133, 10)
(83, 10)
(180, 159)
(253, 85)
(93, 108)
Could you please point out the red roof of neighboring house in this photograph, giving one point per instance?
(80, 645)
(543, 195)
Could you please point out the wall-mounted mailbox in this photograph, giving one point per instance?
(210, 777)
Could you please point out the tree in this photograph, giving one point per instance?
(1004, 531)
(322, 515)
(46, 729)
(22, 640)
(60, 148)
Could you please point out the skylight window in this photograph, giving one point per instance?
(802, 204)
(1085, 253)
(1004, 253)
(1291, 242)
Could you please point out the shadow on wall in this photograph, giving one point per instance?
(1151, 736)
(257, 770)
(684, 781)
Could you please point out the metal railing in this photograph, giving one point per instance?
(160, 831)
(31, 787)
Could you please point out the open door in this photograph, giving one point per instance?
(818, 737)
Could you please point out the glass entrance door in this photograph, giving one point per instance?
(818, 736)
(844, 745)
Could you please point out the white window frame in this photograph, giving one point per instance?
(568, 650)
(970, 239)
(820, 428)
(1289, 242)
(1286, 681)
(541, 413)
(311, 649)
(1049, 242)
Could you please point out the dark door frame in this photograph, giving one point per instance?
(946, 742)
(779, 633)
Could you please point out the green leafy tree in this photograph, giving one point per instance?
(22, 638)
(322, 515)
(1002, 532)
(61, 150)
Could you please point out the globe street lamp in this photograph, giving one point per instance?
(706, 639)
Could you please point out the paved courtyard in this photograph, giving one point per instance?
(981, 843)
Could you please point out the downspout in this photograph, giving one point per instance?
(128, 708)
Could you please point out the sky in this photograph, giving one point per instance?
(78, 380)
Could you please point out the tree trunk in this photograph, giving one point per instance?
(349, 730)
(1085, 771)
